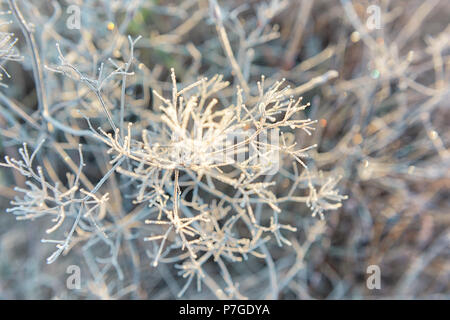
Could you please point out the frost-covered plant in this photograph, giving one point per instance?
(169, 144)
(188, 150)
(200, 167)
(8, 51)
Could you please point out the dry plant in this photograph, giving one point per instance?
(164, 144)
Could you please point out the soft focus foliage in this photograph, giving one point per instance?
(224, 149)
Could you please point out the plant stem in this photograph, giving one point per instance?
(37, 70)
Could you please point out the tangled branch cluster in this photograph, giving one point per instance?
(162, 145)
